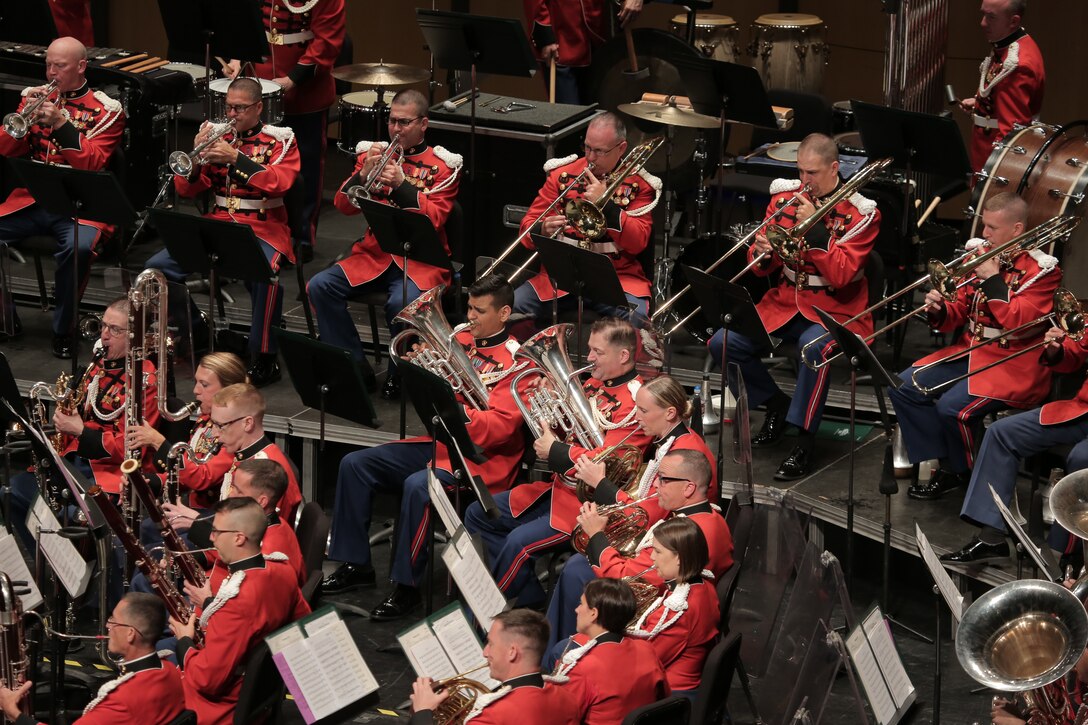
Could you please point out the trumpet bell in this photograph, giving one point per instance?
(1022, 635)
(16, 125)
(181, 163)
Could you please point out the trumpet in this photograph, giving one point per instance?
(181, 163)
(358, 192)
(17, 124)
(587, 216)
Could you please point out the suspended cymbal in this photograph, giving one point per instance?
(668, 115)
(386, 75)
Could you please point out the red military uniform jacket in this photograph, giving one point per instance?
(257, 598)
(576, 25)
(251, 191)
(499, 429)
(430, 188)
(102, 441)
(203, 480)
(1021, 293)
(630, 225)
(615, 403)
(279, 543)
(304, 41)
(73, 18)
(831, 275)
(611, 677)
(682, 637)
(607, 562)
(95, 126)
(265, 448)
(148, 692)
(1010, 91)
(1072, 357)
(525, 700)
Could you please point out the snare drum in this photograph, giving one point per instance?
(361, 119)
(790, 51)
(200, 81)
(271, 97)
(716, 36)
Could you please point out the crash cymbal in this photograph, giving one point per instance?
(385, 75)
(668, 115)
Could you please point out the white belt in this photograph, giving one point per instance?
(234, 203)
(983, 122)
(815, 280)
(290, 39)
(988, 333)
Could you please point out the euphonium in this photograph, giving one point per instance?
(627, 525)
(585, 215)
(443, 355)
(463, 693)
(13, 653)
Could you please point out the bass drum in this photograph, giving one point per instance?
(700, 254)
(1056, 184)
(611, 85)
(1006, 168)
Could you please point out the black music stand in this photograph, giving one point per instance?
(197, 30)
(330, 379)
(412, 237)
(78, 194)
(213, 247)
(468, 42)
(732, 307)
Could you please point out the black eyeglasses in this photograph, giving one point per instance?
(404, 122)
(115, 330)
(672, 479)
(221, 426)
(241, 107)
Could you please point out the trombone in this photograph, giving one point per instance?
(1066, 315)
(585, 215)
(949, 278)
(17, 124)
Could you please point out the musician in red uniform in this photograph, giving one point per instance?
(248, 170)
(148, 692)
(1012, 79)
(422, 179)
(945, 423)
(304, 41)
(402, 465)
(681, 487)
(568, 31)
(830, 276)
(537, 517)
(73, 18)
(515, 645)
(627, 214)
(257, 598)
(79, 128)
(682, 623)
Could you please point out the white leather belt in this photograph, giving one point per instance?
(988, 333)
(815, 280)
(234, 203)
(983, 122)
(289, 39)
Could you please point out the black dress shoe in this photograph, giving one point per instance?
(391, 390)
(346, 578)
(976, 550)
(774, 426)
(399, 604)
(265, 371)
(306, 253)
(941, 483)
(794, 466)
(63, 347)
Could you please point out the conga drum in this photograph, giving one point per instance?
(790, 51)
(716, 36)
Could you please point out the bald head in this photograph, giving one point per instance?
(66, 63)
(67, 47)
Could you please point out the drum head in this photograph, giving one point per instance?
(1006, 167)
(704, 20)
(789, 20)
(362, 99)
(220, 85)
(1055, 184)
(785, 151)
(611, 85)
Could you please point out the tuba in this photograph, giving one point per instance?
(563, 405)
(443, 355)
(14, 660)
(1024, 637)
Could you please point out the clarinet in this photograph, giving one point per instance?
(176, 604)
(190, 570)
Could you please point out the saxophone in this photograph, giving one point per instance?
(14, 660)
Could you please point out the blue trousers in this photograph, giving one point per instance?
(565, 597)
(35, 220)
(807, 405)
(514, 545)
(413, 528)
(1061, 539)
(946, 425)
(329, 291)
(526, 301)
(267, 299)
(310, 137)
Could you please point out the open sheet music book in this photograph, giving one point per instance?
(68, 564)
(478, 589)
(445, 644)
(13, 564)
(321, 664)
(872, 650)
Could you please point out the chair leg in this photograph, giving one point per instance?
(374, 335)
(742, 675)
(43, 295)
(305, 300)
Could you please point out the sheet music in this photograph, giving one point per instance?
(14, 565)
(74, 573)
(348, 674)
(880, 638)
(304, 675)
(461, 644)
(441, 502)
(479, 590)
(945, 585)
(425, 652)
(1046, 568)
(880, 698)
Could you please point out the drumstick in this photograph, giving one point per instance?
(141, 67)
(681, 101)
(929, 210)
(223, 65)
(153, 66)
(122, 61)
(551, 80)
